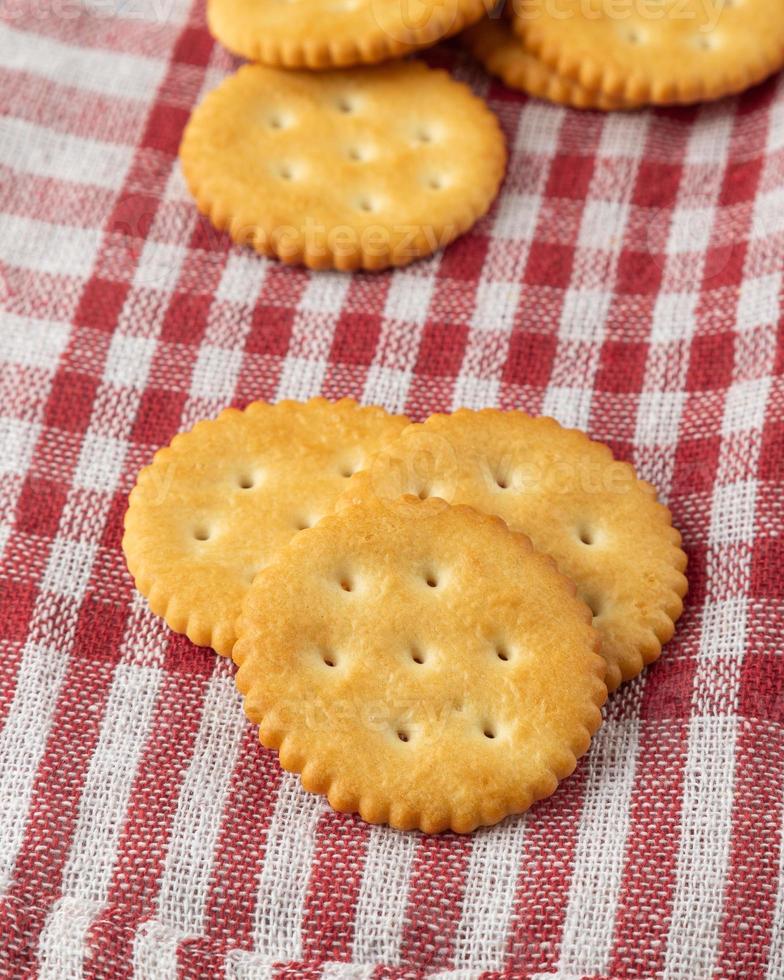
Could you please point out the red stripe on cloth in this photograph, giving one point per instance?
(752, 881)
(544, 878)
(435, 895)
(297, 971)
(198, 959)
(529, 364)
(728, 246)
(241, 845)
(441, 351)
(333, 887)
(152, 805)
(129, 35)
(54, 803)
(17, 951)
(41, 295)
(89, 115)
(78, 205)
(644, 908)
(385, 972)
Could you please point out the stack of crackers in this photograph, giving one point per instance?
(623, 54)
(311, 156)
(426, 618)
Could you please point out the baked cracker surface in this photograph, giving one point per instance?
(364, 168)
(420, 664)
(217, 503)
(320, 34)
(603, 526)
(501, 52)
(657, 51)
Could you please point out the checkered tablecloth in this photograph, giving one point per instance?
(628, 281)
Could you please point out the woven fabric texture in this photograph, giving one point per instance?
(629, 281)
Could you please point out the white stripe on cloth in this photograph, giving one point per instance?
(32, 343)
(491, 883)
(155, 951)
(186, 876)
(48, 248)
(388, 387)
(107, 788)
(312, 333)
(383, 896)
(22, 741)
(42, 152)
(287, 865)
(61, 951)
(108, 73)
(706, 829)
(599, 854)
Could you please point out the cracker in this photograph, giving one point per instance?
(658, 51)
(421, 665)
(493, 43)
(335, 33)
(603, 526)
(216, 505)
(364, 168)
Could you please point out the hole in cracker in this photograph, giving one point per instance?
(286, 172)
(502, 482)
(346, 584)
(277, 120)
(347, 469)
(423, 135)
(431, 579)
(424, 493)
(417, 656)
(201, 533)
(488, 731)
(366, 204)
(358, 154)
(329, 659)
(706, 43)
(346, 105)
(403, 735)
(302, 523)
(585, 535)
(503, 653)
(634, 37)
(435, 183)
(245, 481)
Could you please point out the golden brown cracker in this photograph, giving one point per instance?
(494, 44)
(365, 168)
(420, 664)
(320, 34)
(216, 505)
(658, 51)
(603, 525)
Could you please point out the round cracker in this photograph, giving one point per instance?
(420, 665)
(493, 43)
(320, 34)
(603, 525)
(657, 51)
(364, 168)
(218, 503)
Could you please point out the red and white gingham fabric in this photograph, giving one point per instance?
(629, 281)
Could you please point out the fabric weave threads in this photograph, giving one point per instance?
(629, 281)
